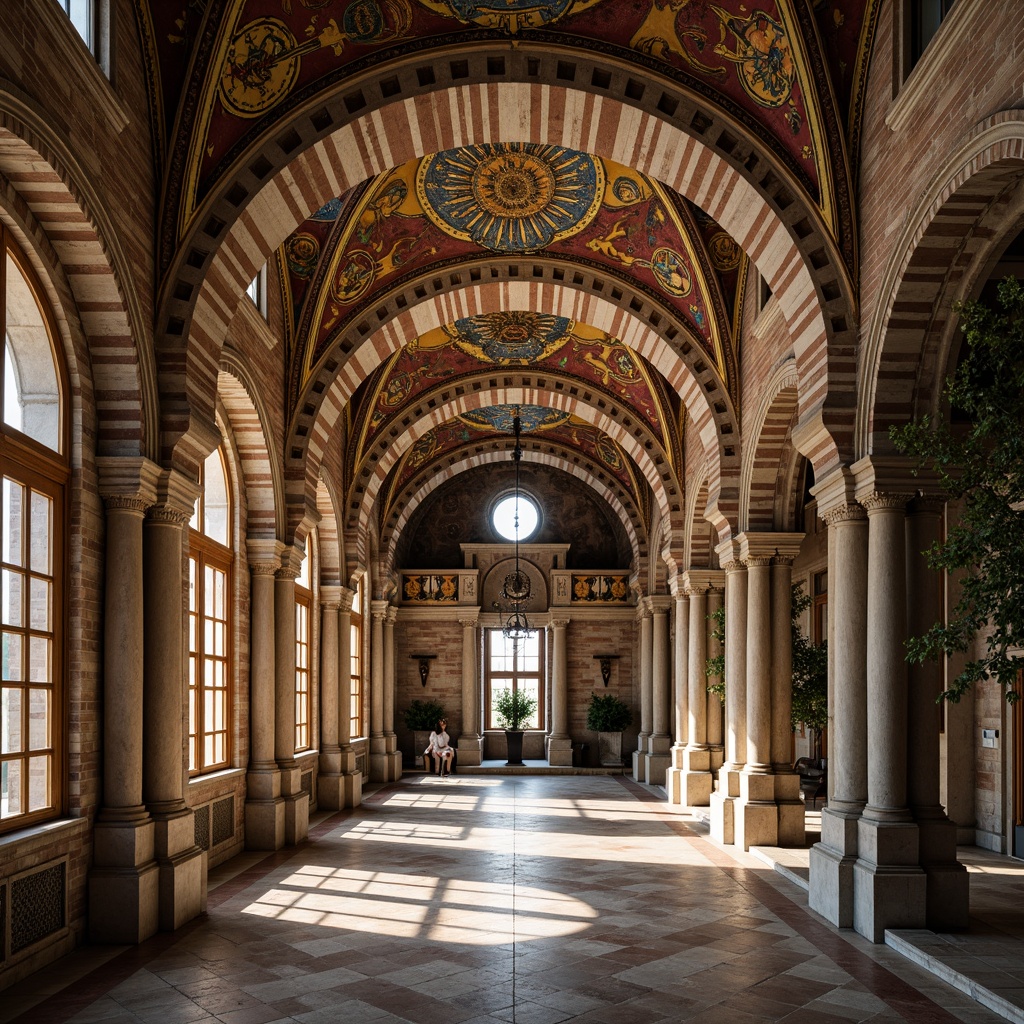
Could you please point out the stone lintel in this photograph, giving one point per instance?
(885, 474)
(704, 579)
(835, 491)
(769, 545)
(263, 550)
(136, 477)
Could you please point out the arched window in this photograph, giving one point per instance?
(356, 660)
(209, 622)
(303, 602)
(34, 471)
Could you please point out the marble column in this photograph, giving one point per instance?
(697, 780)
(657, 758)
(351, 776)
(124, 883)
(296, 802)
(182, 863)
(559, 742)
(393, 754)
(471, 742)
(646, 691)
(680, 662)
(378, 747)
(716, 710)
(723, 800)
(947, 883)
(832, 859)
(264, 806)
(328, 781)
(789, 799)
(889, 886)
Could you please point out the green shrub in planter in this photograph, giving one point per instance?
(423, 715)
(607, 713)
(514, 708)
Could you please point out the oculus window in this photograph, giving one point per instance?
(503, 518)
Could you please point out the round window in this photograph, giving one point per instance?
(504, 517)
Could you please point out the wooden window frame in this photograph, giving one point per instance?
(819, 607)
(512, 679)
(303, 647)
(41, 469)
(356, 687)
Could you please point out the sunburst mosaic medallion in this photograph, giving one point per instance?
(511, 197)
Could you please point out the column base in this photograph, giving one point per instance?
(723, 818)
(182, 867)
(296, 817)
(471, 751)
(124, 884)
(696, 782)
(717, 757)
(559, 751)
(757, 814)
(832, 861)
(339, 790)
(655, 767)
(792, 811)
(889, 886)
(385, 766)
(948, 889)
(264, 810)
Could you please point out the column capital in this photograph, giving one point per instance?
(330, 597)
(643, 608)
(469, 617)
(660, 603)
(391, 616)
(768, 545)
(175, 499)
(345, 599)
(700, 581)
(125, 503)
(846, 513)
(884, 501)
(265, 551)
(124, 481)
(291, 561)
(379, 610)
(561, 622)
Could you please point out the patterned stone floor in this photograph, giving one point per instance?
(497, 900)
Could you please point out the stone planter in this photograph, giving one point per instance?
(514, 742)
(609, 749)
(420, 739)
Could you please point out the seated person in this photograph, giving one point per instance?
(440, 749)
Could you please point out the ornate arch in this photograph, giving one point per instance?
(698, 548)
(901, 372)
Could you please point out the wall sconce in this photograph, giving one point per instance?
(424, 660)
(606, 665)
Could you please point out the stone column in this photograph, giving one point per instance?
(680, 662)
(716, 711)
(351, 777)
(124, 881)
(328, 781)
(723, 800)
(378, 747)
(646, 689)
(182, 863)
(657, 758)
(947, 883)
(264, 807)
(471, 742)
(888, 884)
(696, 781)
(296, 802)
(559, 742)
(757, 821)
(832, 859)
(393, 754)
(792, 813)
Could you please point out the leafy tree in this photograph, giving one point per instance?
(981, 463)
(716, 666)
(810, 671)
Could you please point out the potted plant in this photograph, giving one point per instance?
(608, 716)
(513, 709)
(422, 716)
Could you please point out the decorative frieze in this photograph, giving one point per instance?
(603, 588)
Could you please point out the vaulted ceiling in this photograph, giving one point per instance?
(232, 78)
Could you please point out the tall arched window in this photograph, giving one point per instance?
(209, 622)
(34, 471)
(356, 659)
(303, 602)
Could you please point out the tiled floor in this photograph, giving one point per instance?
(489, 900)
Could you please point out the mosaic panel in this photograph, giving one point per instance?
(430, 587)
(202, 826)
(37, 906)
(600, 589)
(223, 820)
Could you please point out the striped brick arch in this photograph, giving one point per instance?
(768, 473)
(361, 501)
(69, 238)
(440, 474)
(699, 545)
(482, 113)
(247, 419)
(328, 533)
(977, 199)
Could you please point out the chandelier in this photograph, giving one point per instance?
(515, 591)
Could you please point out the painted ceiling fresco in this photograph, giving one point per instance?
(539, 340)
(512, 198)
(496, 421)
(224, 72)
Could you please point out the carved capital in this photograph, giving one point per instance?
(263, 568)
(559, 623)
(884, 501)
(169, 515)
(851, 513)
(125, 503)
(733, 565)
(757, 560)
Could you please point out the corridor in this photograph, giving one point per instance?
(487, 899)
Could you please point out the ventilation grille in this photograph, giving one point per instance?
(361, 764)
(38, 906)
(3, 923)
(307, 784)
(202, 826)
(223, 820)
